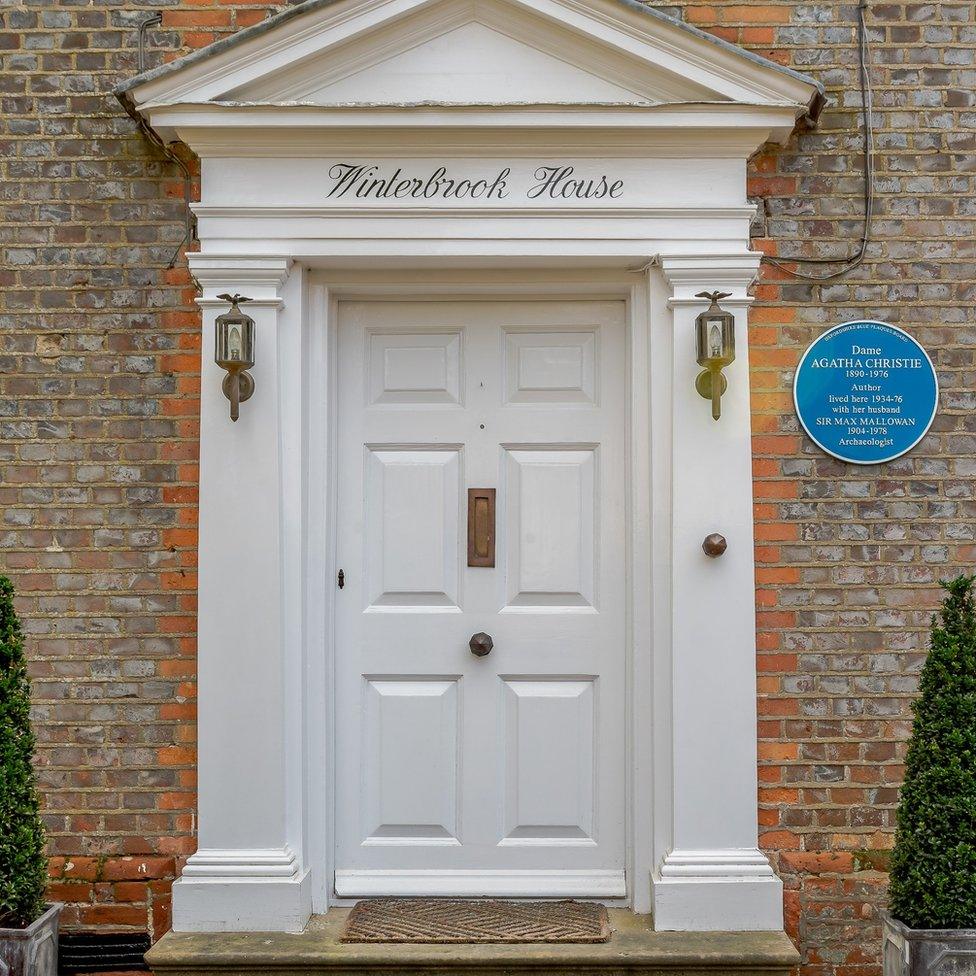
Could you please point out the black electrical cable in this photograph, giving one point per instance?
(189, 222)
(867, 105)
(153, 20)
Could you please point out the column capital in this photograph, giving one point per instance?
(262, 278)
(688, 274)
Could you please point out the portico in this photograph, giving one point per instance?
(455, 218)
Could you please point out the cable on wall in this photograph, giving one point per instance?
(189, 220)
(153, 20)
(867, 105)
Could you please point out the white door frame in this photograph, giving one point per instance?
(264, 860)
(325, 292)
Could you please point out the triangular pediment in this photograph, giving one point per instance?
(471, 63)
(402, 53)
(458, 52)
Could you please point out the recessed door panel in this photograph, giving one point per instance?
(550, 528)
(411, 750)
(550, 367)
(414, 368)
(549, 754)
(412, 527)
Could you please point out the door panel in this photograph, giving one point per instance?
(501, 774)
(414, 368)
(412, 527)
(410, 784)
(550, 367)
(549, 756)
(549, 532)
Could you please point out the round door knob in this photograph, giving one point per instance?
(714, 545)
(481, 644)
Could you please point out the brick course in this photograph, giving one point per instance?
(99, 351)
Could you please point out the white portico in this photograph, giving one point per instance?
(472, 232)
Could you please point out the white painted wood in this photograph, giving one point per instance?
(713, 875)
(550, 367)
(420, 369)
(402, 719)
(514, 762)
(552, 521)
(412, 528)
(548, 739)
(532, 51)
(475, 63)
(736, 900)
(319, 528)
(485, 284)
(602, 885)
(250, 870)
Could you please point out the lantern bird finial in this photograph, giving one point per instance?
(234, 299)
(713, 296)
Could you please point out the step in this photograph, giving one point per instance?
(634, 949)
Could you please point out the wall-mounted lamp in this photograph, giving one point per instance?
(715, 335)
(235, 352)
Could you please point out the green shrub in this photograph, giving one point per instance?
(933, 865)
(23, 865)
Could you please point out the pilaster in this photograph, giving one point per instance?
(249, 872)
(713, 877)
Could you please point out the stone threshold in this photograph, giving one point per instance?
(634, 949)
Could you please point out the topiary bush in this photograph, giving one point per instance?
(23, 865)
(933, 865)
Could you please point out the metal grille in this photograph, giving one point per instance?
(81, 952)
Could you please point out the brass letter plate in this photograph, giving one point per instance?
(481, 527)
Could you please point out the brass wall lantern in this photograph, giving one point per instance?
(235, 352)
(715, 335)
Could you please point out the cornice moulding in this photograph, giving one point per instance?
(264, 276)
(515, 213)
(688, 274)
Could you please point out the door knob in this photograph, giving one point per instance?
(481, 644)
(714, 545)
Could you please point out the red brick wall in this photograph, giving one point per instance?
(98, 380)
(98, 448)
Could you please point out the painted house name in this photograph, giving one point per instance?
(559, 182)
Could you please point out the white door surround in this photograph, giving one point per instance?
(319, 187)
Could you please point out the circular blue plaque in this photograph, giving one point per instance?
(866, 392)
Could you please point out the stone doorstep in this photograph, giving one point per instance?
(634, 949)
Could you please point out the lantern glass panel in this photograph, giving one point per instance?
(716, 339)
(234, 341)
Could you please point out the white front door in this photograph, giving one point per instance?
(460, 774)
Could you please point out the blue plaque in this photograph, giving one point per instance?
(866, 392)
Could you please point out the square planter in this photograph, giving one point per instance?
(927, 952)
(32, 951)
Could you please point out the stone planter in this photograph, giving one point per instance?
(32, 951)
(927, 952)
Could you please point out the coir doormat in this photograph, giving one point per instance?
(473, 921)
